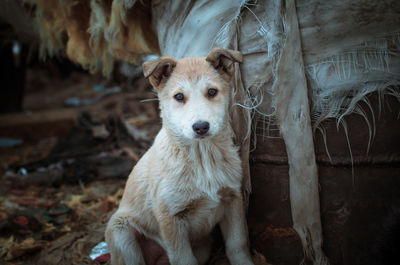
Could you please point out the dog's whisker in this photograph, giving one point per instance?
(149, 100)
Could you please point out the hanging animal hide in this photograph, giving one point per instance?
(94, 33)
(332, 53)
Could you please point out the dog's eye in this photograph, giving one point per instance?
(179, 97)
(212, 92)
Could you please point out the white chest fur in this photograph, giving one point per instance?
(198, 180)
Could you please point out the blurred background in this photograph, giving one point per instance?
(68, 141)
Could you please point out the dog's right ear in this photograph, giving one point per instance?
(158, 71)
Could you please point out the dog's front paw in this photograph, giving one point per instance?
(180, 260)
(242, 262)
(248, 262)
(240, 258)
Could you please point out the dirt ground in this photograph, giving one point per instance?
(63, 173)
(64, 179)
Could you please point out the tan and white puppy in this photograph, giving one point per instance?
(190, 179)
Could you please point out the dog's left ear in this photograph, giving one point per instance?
(223, 61)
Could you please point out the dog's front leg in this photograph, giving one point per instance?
(234, 229)
(174, 230)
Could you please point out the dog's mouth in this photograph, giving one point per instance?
(202, 136)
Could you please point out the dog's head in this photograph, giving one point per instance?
(194, 92)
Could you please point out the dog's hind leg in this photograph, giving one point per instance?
(124, 248)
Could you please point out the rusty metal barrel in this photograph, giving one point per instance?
(360, 195)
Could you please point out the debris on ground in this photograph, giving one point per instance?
(10, 142)
(63, 169)
(100, 253)
(77, 102)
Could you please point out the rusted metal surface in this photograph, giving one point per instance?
(354, 206)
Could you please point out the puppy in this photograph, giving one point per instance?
(190, 179)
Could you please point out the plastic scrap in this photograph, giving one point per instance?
(22, 171)
(10, 142)
(100, 252)
(76, 102)
(98, 87)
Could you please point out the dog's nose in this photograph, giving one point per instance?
(201, 127)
